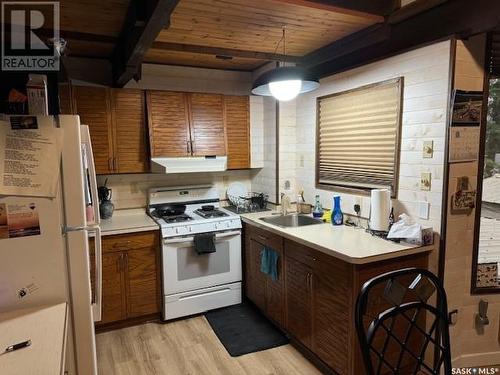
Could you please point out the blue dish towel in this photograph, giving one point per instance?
(269, 262)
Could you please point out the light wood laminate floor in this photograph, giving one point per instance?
(188, 347)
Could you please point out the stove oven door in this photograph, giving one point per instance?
(185, 270)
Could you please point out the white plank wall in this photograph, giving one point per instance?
(426, 86)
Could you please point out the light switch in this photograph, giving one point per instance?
(423, 210)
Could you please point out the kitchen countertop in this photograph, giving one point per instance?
(347, 243)
(128, 221)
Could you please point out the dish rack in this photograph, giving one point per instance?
(252, 201)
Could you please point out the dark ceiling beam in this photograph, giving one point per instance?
(364, 38)
(145, 19)
(412, 9)
(374, 9)
(223, 52)
(461, 18)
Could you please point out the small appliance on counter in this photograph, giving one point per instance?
(106, 207)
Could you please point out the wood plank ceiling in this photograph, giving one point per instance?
(251, 26)
(224, 34)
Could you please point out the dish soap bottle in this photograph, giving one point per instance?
(337, 215)
(318, 209)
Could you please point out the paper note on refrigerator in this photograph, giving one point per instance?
(30, 154)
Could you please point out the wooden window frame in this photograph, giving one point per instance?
(474, 288)
(397, 152)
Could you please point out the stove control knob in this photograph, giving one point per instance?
(176, 230)
(190, 229)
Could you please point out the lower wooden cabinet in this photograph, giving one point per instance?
(298, 294)
(267, 294)
(130, 277)
(314, 299)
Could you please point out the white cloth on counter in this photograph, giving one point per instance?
(405, 228)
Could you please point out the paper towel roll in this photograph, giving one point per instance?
(380, 209)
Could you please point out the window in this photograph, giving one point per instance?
(358, 138)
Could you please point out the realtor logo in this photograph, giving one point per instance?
(26, 28)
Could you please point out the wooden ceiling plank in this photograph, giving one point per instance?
(216, 51)
(145, 19)
(257, 26)
(374, 10)
(200, 60)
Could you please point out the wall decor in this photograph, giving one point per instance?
(464, 144)
(463, 201)
(467, 106)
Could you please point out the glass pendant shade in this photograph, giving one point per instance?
(284, 83)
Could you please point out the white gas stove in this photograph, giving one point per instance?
(193, 282)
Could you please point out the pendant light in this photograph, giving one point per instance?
(284, 82)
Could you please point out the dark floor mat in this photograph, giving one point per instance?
(242, 329)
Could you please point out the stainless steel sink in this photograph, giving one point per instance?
(294, 220)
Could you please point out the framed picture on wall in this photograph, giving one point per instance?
(467, 108)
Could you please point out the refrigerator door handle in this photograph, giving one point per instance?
(97, 306)
(92, 173)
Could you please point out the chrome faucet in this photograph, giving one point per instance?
(285, 204)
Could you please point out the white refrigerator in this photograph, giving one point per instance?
(54, 266)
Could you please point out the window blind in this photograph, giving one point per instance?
(358, 135)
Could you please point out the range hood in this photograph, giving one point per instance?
(189, 164)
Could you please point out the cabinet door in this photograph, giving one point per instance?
(237, 116)
(331, 319)
(168, 123)
(113, 287)
(257, 278)
(298, 286)
(93, 106)
(129, 126)
(207, 124)
(142, 282)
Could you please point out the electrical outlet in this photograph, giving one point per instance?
(423, 210)
(425, 181)
(428, 149)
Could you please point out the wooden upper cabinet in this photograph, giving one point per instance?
(93, 106)
(129, 125)
(168, 122)
(207, 124)
(237, 114)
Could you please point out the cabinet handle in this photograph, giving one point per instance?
(110, 164)
(309, 281)
(192, 147)
(263, 238)
(187, 147)
(115, 165)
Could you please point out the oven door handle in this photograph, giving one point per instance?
(191, 238)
